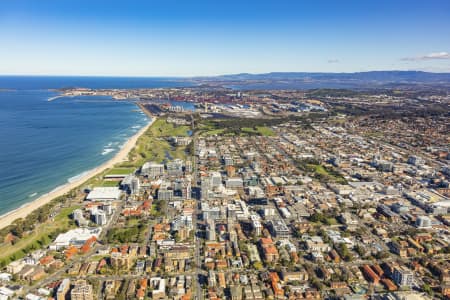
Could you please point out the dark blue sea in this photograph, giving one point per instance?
(45, 144)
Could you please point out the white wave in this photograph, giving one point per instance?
(107, 150)
(74, 178)
(32, 195)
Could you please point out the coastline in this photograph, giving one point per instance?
(119, 157)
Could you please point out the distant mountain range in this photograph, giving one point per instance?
(392, 76)
(374, 79)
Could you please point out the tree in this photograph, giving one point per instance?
(317, 284)
(344, 252)
(360, 250)
(258, 265)
(317, 217)
(427, 289)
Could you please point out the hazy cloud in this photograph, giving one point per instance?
(333, 61)
(430, 56)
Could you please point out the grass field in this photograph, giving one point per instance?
(120, 171)
(41, 236)
(260, 130)
(161, 128)
(210, 128)
(109, 183)
(153, 144)
(214, 132)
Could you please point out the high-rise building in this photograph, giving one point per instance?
(79, 217)
(403, 276)
(175, 167)
(188, 166)
(205, 188)
(423, 222)
(63, 288)
(100, 217)
(152, 169)
(81, 291)
(216, 179)
(211, 231)
(120, 261)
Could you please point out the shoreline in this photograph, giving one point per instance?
(120, 156)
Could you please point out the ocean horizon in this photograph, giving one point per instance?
(36, 82)
(46, 144)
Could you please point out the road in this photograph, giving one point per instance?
(198, 262)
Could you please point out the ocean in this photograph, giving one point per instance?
(43, 144)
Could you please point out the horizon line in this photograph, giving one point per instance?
(211, 75)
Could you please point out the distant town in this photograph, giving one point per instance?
(252, 194)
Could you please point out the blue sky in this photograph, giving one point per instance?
(184, 38)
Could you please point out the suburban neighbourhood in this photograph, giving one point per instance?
(255, 195)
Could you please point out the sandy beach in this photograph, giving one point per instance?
(120, 156)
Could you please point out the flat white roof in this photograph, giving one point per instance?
(104, 193)
(77, 235)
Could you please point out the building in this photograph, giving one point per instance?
(256, 224)
(183, 188)
(316, 244)
(423, 222)
(104, 194)
(279, 229)
(188, 166)
(212, 213)
(231, 171)
(175, 167)
(15, 266)
(107, 207)
(100, 217)
(158, 285)
(212, 282)
(206, 187)
(81, 291)
(234, 183)
(228, 160)
(300, 276)
(110, 289)
(152, 170)
(215, 179)
(120, 261)
(415, 160)
(370, 274)
(62, 290)
(269, 250)
(403, 276)
(181, 221)
(79, 217)
(76, 237)
(211, 230)
(131, 184)
(236, 292)
(165, 192)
